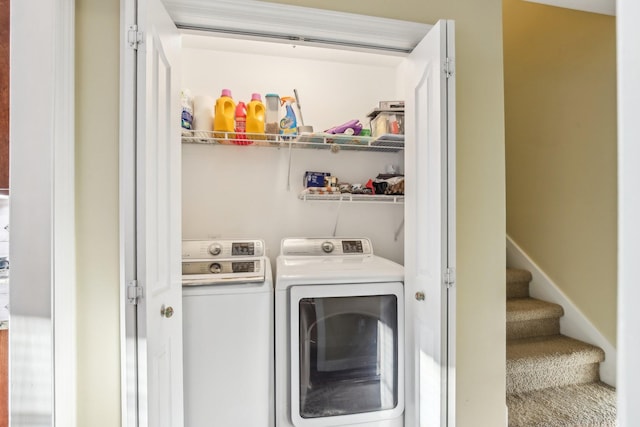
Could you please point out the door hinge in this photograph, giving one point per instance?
(449, 277)
(134, 37)
(134, 292)
(449, 67)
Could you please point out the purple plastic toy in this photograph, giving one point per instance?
(354, 125)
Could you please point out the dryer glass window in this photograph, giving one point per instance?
(348, 355)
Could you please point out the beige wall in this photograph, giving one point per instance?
(480, 201)
(560, 104)
(97, 104)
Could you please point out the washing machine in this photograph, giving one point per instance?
(339, 335)
(228, 335)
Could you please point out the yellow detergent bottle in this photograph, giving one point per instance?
(255, 117)
(224, 118)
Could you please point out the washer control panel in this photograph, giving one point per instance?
(222, 248)
(326, 247)
(214, 272)
(221, 267)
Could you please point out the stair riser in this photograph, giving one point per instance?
(523, 381)
(533, 328)
(518, 290)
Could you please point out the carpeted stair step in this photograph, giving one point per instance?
(592, 404)
(518, 283)
(529, 317)
(554, 361)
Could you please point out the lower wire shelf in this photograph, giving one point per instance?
(348, 197)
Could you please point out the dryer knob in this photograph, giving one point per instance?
(215, 249)
(215, 268)
(327, 247)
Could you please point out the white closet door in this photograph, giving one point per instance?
(430, 222)
(158, 219)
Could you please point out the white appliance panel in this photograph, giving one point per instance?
(339, 338)
(228, 360)
(229, 354)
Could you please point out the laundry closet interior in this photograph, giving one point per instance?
(251, 191)
(350, 252)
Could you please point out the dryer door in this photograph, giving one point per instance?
(346, 353)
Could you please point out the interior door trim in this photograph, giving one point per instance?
(42, 188)
(302, 25)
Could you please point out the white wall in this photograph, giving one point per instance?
(4, 222)
(31, 166)
(241, 191)
(629, 211)
(4, 252)
(560, 127)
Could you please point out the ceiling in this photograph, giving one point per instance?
(607, 7)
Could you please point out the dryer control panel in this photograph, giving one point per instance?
(222, 248)
(326, 247)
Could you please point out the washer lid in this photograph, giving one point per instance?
(310, 270)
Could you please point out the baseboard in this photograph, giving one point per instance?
(574, 323)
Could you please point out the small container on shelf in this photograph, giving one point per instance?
(315, 179)
(272, 122)
(387, 126)
(388, 123)
(203, 107)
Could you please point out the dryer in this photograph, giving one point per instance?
(339, 335)
(228, 335)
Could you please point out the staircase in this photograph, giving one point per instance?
(552, 380)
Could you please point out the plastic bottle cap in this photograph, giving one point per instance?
(226, 92)
(256, 97)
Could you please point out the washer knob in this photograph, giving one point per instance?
(215, 268)
(215, 249)
(327, 247)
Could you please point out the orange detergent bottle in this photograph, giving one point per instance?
(255, 117)
(223, 119)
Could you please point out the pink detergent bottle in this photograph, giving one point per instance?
(241, 125)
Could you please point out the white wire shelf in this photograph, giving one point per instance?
(348, 197)
(384, 143)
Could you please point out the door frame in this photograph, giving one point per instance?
(628, 210)
(205, 17)
(128, 260)
(42, 192)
